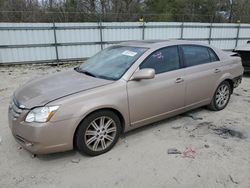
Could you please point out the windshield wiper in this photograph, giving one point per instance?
(84, 72)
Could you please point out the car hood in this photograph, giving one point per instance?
(46, 89)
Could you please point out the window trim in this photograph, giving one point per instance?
(197, 45)
(181, 64)
(211, 50)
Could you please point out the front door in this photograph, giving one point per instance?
(153, 99)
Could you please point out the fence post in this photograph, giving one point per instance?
(143, 30)
(237, 36)
(210, 33)
(55, 41)
(100, 31)
(182, 28)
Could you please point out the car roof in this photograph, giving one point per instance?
(158, 43)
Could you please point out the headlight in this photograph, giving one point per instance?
(41, 114)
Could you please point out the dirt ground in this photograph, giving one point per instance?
(217, 146)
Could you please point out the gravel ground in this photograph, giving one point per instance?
(215, 148)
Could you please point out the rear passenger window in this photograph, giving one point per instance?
(195, 55)
(213, 56)
(163, 60)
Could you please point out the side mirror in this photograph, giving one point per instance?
(144, 74)
(248, 42)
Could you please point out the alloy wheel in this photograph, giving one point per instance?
(100, 133)
(222, 95)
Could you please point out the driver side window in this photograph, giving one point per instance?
(163, 60)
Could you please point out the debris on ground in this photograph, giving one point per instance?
(189, 153)
(192, 135)
(206, 146)
(236, 94)
(193, 116)
(174, 151)
(207, 125)
(33, 156)
(226, 133)
(175, 126)
(3, 89)
(18, 180)
(0, 139)
(75, 160)
(19, 148)
(232, 180)
(126, 143)
(176, 179)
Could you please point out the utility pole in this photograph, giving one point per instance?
(231, 11)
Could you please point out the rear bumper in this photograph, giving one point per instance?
(43, 138)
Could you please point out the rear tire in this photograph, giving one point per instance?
(98, 133)
(221, 97)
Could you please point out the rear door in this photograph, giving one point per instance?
(202, 71)
(152, 99)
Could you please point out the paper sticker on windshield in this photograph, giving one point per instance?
(129, 53)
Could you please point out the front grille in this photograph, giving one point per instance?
(15, 110)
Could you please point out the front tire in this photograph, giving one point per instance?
(221, 97)
(98, 133)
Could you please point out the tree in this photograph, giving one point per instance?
(124, 10)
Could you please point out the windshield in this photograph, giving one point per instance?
(111, 63)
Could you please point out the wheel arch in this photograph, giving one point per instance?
(226, 77)
(114, 110)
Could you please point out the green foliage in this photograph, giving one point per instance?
(125, 10)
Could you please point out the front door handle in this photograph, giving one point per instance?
(217, 70)
(179, 80)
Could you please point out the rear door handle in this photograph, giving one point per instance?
(179, 80)
(217, 70)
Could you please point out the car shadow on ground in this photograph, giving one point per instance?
(191, 114)
(56, 156)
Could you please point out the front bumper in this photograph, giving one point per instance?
(41, 138)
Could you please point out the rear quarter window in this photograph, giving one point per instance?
(213, 56)
(197, 55)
